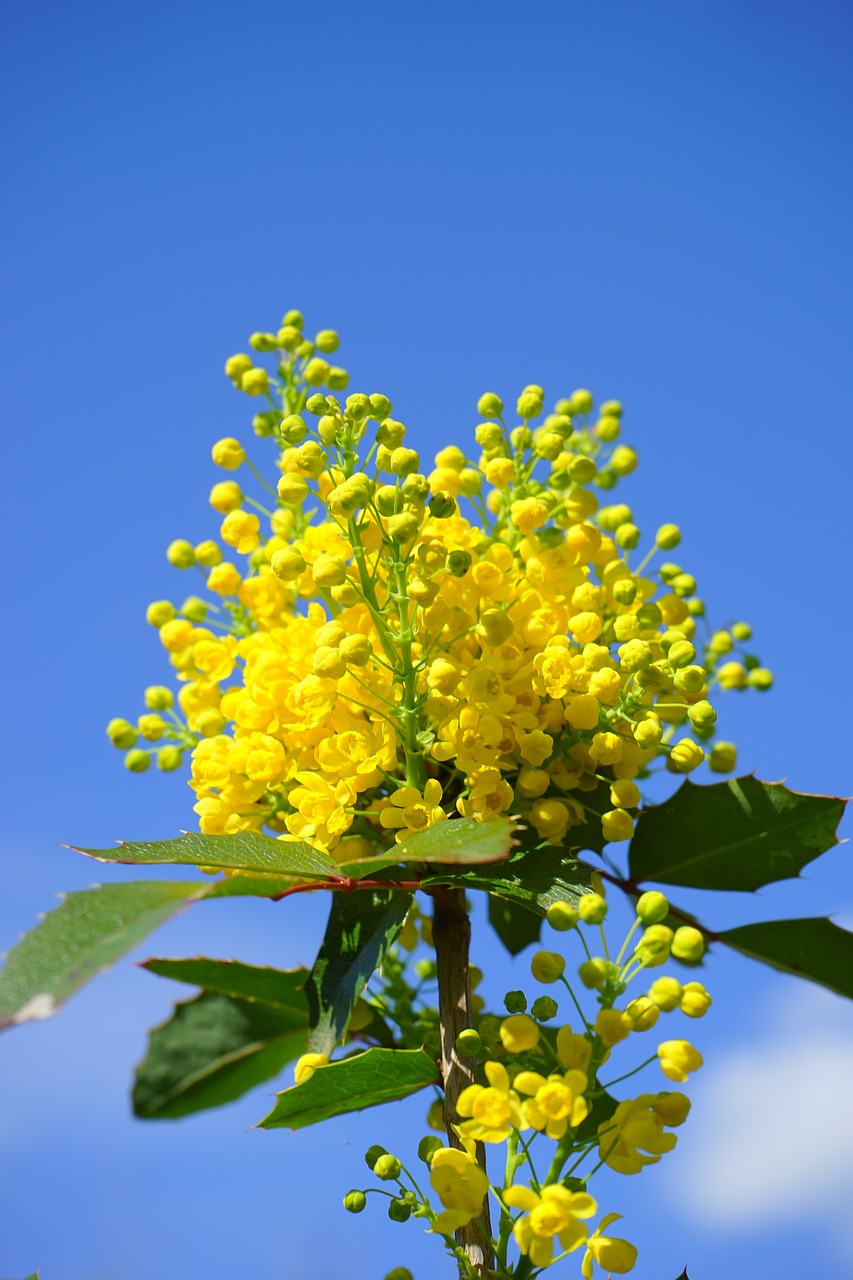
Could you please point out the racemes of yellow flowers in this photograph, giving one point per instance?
(386, 643)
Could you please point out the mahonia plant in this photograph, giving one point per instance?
(444, 681)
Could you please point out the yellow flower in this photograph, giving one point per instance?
(305, 1066)
(633, 1136)
(519, 1033)
(678, 1058)
(240, 530)
(461, 1186)
(611, 1254)
(493, 1110)
(412, 811)
(557, 1101)
(553, 1213)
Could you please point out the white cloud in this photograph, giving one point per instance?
(773, 1125)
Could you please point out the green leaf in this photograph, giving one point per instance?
(603, 1106)
(362, 926)
(82, 937)
(739, 834)
(813, 948)
(516, 926)
(212, 1050)
(245, 850)
(365, 1080)
(533, 877)
(458, 842)
(282, 988)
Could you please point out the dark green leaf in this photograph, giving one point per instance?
(813, 948)
(369, 1078)
(739, 834)
(601, 1110)
(684, 1275)
(532, 877)
(246, 850)
(516, 926)
(362, 925)
(455, 843)
(279, 987)
(81, 938)
(211, 1051)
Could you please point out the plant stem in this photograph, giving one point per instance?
(451, 932)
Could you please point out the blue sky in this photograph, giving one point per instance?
(651, 201)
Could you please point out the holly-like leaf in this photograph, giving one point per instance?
(516, 926)
(813, 948)
(212, 1050)
(362, 926)
(532, 877)
(245, 850)
(282, 988)
(81, 938)
(365, 1080)
(458, 842)
(739, 834)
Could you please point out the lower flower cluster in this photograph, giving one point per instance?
(536, 1084)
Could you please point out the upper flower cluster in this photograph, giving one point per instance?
(388, 645)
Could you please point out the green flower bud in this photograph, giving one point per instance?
(681, 654)
(305, 348)
(315, 372)
(650, 617)
(594, 973)
(372, 1154)
(399, 1273)
(468, 1043)
(653, 948)
(688, 945)
(580, 402)
(582, 470)
(399, 1211)
(490, 1030)
(627, 536)
(255, 382)
(388, 499)
(169, 758)
(515, 1002)
(562, 916)
(489, 435)
(391, 433)
(683, 584)
(741, 631)
(427, 1148)
(607, 428)
(327, 571)
(194, 608)
(293, 428)
(337, 379)
(181, 554)
(702, 715)
(327, 340)
(316, 404)
(265, 424)
(287, 564)
(624, 591)
(529, 404)
(137, 761)
(612, 408)
(592, 908)
(354, 1201)
(548, 444)
(722, 757)
(441, 506)
(358, 406)
(458, 563)
(288, 337)
(404, 462)
(652, 907)
(623, 460)
(121, 734)
(490, 405)
(404, 527)
(667, 537)
(415, 488)
(380, 407)
(544, 1008)
(521, 438)
(547, 966)
(158, 698)
(262, 342)
(387, 1167)
(690, 679)
(760, 678)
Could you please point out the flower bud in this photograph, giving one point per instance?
(468, 1043)
(327, 340)
(592, 908)
(519, 1033)
(415, 488)
(643, 1013)
(594, 973)
(194, 609)
(562, 916)
(667, 537)
(616, 825)
(327, 571)
(236, 366)
(316, 372)
(490, 405)
(548, 966)
(387, 1167)
(607, 428)
(169, 758)
(652, 907)
(580, 402)
(255, 382)
(442, 506)
(760, 678)
(404, 462)
(654, 946)
(158, 698)
(357, 406)
(544, 1008)
(356, 650)
(287, 564)
(489, 435)
(678, 1058)
(686, 755)
(722, 757)
(181, 554)
(458, 563)
(210, 722)
(380, 407)
(529, 404)
(337, 379)
(316, 404)
(666, 993)
(137, 761)
(404, 527)
(399, 1211)
(515, 1002)
(627, 536)
(121, 734)
(399, 1273)
(354, 1201)
(695, 1000)
(688, 944)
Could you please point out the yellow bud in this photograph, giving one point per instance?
(329, 571)
(519, 1033)
(490, 405)
(316, 372)
(160, 612)
(356, 650)
(288, 564)
(686, 755)
(547, 966)
(688, 944)
(236, 366)
(722, 757)
(255, 382)
(666, 993)
(292, 489)
(695, 1000)
(307, 1065)
(226, 496)
(623, 460)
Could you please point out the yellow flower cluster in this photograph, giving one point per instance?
(403, 644)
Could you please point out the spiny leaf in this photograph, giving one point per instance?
(360, 930)
(212, 1050)
(812, 948)
(458, 842)
(533, 877)
(282, 988)
(740, 834)
(245, 850)
(369, 1078)
(81, 938)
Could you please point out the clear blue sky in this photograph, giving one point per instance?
(650, 200)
